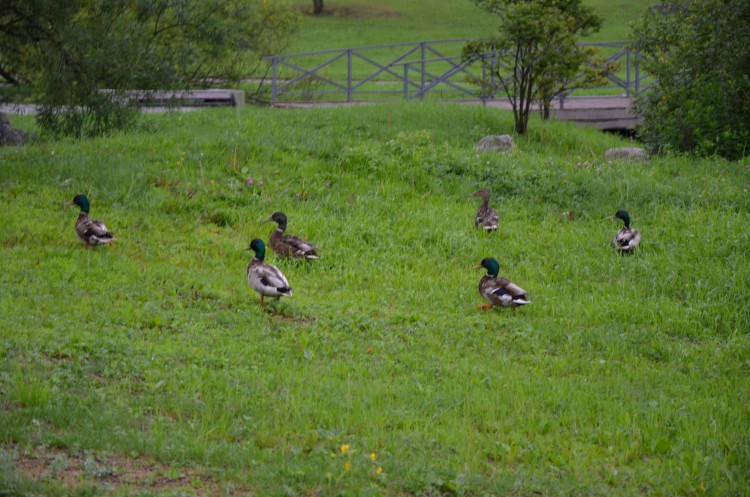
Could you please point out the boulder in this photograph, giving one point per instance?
(10, 136)
(496, 143)
(625, 154)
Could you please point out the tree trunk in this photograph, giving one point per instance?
(545, 110)
(525, 94)
(523, 123)
(8, 78)
(317, 7)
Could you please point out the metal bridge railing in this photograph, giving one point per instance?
(412, 71)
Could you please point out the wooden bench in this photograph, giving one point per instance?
(189, 98)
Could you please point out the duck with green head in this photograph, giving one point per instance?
(289, 245)
(499, 291)
(91, 231)
(626, 239)
(265, 279)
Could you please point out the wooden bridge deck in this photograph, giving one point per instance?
(602, 112)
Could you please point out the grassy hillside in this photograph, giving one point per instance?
(350, 23)
(151, 369)
(356, 23)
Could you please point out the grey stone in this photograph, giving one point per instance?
(10, 136)
(626, 154)
(496, 143)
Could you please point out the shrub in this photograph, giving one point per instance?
(700, 102)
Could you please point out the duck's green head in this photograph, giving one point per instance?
(621, 214)
(279, 218)
(490, 264)
(81, 201)
(259, 248)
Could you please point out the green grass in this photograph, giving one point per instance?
(626, 376)
(355, 24)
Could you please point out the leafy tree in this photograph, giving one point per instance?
(698, 54)
(317, 7)
(582, 67)
(80, 56)
(537, 45)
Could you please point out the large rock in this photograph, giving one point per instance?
(10, 135)
(626, 154)
(496, 143)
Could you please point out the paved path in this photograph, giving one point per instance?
(18, 109)
(603, 112)
(31, 109)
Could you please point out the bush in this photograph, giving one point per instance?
(700, 102)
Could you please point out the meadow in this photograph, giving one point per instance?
(150, 368)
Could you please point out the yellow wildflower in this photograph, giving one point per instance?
(345, 448)
(379, 471)
(347, 466)
(372, 456)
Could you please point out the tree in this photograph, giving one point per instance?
(80, 56)
(317, 7)
(537, 45)
(582, 67)
(698, 54)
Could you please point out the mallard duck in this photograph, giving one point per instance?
(289, 245)
(627, 239)
(499, 291)
(486, 217)
(91, 231)
(265, 279)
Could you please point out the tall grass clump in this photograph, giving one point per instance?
(627, 375)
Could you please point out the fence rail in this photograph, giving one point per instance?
(413, 71)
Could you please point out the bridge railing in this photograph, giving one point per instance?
(414, 71)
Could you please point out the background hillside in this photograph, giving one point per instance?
(347, 23)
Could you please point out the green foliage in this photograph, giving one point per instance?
(700, 101)
(81, 56)
(626, 376)
(537, 46)
(562, 75)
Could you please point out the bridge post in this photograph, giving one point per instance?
(627, 64)
(349, 75)
(637, 73)
(273, 80)
(484, 78)
(406, 81)
(424, 71)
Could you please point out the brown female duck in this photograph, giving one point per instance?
(486, 217)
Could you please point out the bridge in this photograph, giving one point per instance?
(423, 71)
(603, 112)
